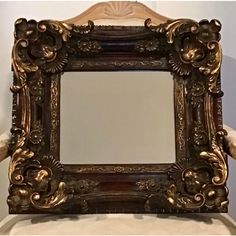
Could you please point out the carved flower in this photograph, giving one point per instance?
(19, 197)
(36, 136)
(209, 31)
(36, 87)
(178, 65)
(58, 62)
(44, 173)
(195, 179)
(198, 89)
(148, 185)
(81, 186)
(196, 93)
(190, 52)
(147, 45)
(89, 46)
(26, 29)
(216, 196)
(49, 55)
(44, 45)
(200, 135)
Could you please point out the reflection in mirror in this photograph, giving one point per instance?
(117, 118)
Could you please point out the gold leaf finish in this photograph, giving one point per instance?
(172, 28)
(62, 28)
(217, 159)
(58, 198)
(186, 202)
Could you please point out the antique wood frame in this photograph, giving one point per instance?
(43, 50)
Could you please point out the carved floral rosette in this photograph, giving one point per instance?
(43, 48)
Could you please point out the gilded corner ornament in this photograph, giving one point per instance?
(195, 46)
(194, 187)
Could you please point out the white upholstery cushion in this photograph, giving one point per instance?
(231, 140)
(4, 139)
(111, 224)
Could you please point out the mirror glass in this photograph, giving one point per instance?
(117, 118)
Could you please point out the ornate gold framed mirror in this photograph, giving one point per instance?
(194, 180)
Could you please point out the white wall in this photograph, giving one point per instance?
(224, 11)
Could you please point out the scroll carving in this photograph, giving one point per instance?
(39, 177)
(190, 50)
(39, 48)
(195, 46)
(195, 188)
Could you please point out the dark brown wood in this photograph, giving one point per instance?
(39, 183)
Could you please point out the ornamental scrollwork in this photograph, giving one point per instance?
(217, 159)
(191, 51)
(39, 48)
(195, 46)
(42, 186)
(196, 49)
(194, 188)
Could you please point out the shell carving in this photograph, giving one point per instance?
(118, 9)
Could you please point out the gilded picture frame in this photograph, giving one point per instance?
(40, 183)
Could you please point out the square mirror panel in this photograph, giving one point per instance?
(117, 118)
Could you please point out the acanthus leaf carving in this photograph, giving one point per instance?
(194, 188)
(184, 201)
(56, 26)
(58, 198)
(42, 185)
(19, 155)
(218, 161)
(40, 45)
(197, 47)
